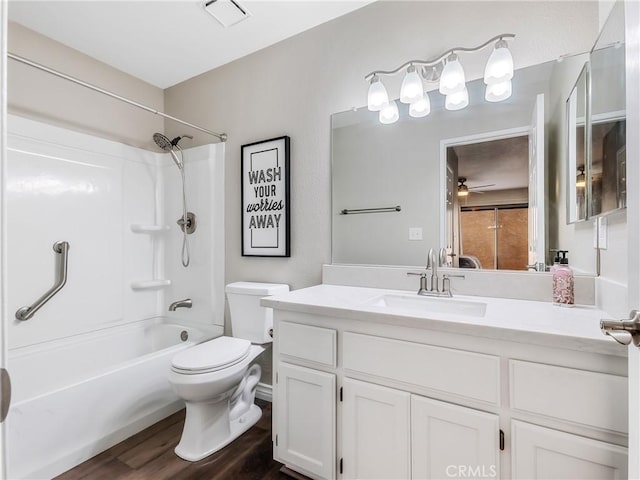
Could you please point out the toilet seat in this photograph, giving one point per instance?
(211, 356)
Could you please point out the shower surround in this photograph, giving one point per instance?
(95, 358)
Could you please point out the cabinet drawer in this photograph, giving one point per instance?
(588, 398)
(466, 374)
(304, 342)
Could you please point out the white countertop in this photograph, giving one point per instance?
(523, 321)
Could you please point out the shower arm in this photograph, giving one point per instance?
(221, 136)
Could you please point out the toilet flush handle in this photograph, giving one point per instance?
(271, 332)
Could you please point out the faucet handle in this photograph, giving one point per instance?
(446, 283)
(421, 274)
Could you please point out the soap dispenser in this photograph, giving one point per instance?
(563, 281)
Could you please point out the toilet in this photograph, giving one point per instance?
(216, 379)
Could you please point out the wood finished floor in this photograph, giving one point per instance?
(149, 455)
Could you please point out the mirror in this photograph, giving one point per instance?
(576, 148)
(395, 187)
(420, 164)
(607, 117)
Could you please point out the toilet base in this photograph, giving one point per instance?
(236, 428)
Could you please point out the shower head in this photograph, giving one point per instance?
(163, 142)
(167, 145)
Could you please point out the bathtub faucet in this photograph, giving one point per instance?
(186, 303)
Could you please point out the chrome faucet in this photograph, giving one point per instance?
(433, 262)
(186, 303)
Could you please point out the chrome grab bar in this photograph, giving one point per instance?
(351, 211)
(62, 249)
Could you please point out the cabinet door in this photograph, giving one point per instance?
(305, 420)
(375, 432)
(449, 441)
(539, 452)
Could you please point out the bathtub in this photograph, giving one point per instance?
(75, 397)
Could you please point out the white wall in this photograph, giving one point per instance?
(41, 96)
(293, 87)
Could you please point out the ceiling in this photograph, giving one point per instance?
(503, 164)
(167, 42)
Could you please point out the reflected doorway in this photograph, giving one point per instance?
(487, 203)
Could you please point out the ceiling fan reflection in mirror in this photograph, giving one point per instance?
(464, 190)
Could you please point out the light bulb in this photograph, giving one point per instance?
(497, 92)
(500, 65)
(377, 96)
(458, 100)
(421, 108)
(452, 79)
(411, 89)
(389, 113)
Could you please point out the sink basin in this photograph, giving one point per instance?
(419, 304)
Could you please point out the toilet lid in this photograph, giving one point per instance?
(212, 355)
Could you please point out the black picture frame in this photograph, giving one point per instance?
(265, 198)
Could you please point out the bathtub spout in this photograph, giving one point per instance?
(186, 303)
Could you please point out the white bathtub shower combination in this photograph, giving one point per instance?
(78, 396)
(90, 368)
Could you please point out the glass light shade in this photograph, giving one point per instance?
(499, 67)
(497, 92)
(421, 108)
(411, 89)
(389, 113)
(463, 192)
(458, 100)
(452, 79)
(377, 97)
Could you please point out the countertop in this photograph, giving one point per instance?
(524, 321)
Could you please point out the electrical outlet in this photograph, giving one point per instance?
(415, 233)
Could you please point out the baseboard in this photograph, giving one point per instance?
(264, 392)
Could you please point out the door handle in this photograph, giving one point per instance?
(623, 331)
(5, 393)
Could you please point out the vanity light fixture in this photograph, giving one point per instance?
(389, 113)
(377, 97)
(447, 71)
(581, 179)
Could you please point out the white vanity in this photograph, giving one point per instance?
(375, 383)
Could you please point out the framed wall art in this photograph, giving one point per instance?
(265, 198)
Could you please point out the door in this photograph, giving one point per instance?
(306, 425)
(542, 453)
(375, 432)
(632, 49)
(449, 441)
(4, 385)
(537, 247)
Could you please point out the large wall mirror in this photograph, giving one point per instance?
(488, 183)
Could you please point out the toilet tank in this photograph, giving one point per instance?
(249, 320)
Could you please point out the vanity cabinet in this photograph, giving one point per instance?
(360, 399)
(376, 431)
(543, 453)
(447, 441)
(306, 419)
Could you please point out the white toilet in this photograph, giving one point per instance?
(214, 378)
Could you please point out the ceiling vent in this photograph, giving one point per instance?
(227, 12)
